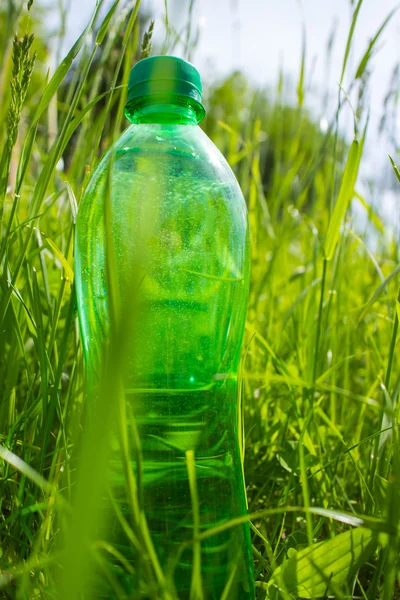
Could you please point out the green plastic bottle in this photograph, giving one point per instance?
(178, 216)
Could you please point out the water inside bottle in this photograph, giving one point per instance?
(170, 422)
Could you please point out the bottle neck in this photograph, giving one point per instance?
(166, 110)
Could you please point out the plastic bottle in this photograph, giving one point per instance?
(178, 212)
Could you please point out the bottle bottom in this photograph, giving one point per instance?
(169, 423)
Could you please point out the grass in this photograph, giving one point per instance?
(320, 369)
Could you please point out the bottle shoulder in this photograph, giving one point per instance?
(178, 158)
(180, 141)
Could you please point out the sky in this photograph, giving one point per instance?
(260, 36)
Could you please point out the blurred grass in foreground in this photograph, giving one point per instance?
(320, 374)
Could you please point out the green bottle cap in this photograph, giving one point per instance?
(160, 76)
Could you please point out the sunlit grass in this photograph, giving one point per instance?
(320, 374)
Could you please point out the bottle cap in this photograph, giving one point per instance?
(159, 76)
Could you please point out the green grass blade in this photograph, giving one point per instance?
(300, 85)
(196, 592)
(395, 168)
(350, 39)
(53, 248)
(378, 292)
(106, 22)
(342, 203)
(365, 59)
(312, 572)
(21, 466)
(372, 215)
(63, 68)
